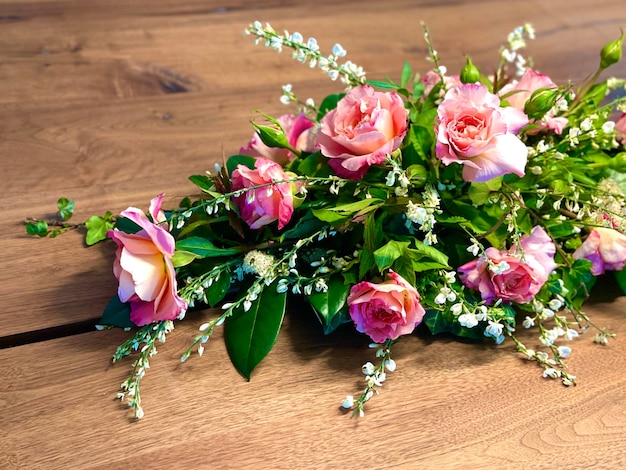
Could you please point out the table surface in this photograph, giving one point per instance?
(110, 102)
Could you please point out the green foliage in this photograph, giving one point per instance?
(117, 313)
(66, 208)
(37, 227)
(97, 228)
(250, 335)
(235, 160)
(330, 306)
(328, 104)
(204, 248)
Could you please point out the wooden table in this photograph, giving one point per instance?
(110, 102)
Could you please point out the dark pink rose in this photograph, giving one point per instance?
(524, 88)
(144, 269)
(511, 275)
(300, 134)
(473, 130)
(605, 248)
(362, 130)
(262, 206)
(386, 310)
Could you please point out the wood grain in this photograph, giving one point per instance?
(110, 102)
(448, 405)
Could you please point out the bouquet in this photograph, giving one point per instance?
(474, 204)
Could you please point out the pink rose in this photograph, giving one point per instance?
(605, 248)
(143, 267)
(473, 130)
(385, 310)
(529, 83)
(620, 129)
(432, 78)
(299, 131)
(362, 130)
(509, 276)
(262, 206)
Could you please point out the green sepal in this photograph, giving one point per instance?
(250, 335)
(330, 306)
(117, 313)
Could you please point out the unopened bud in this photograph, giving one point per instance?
(611, 53)
(541, 101)
(469, 73)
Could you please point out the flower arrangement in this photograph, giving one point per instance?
(472, 204)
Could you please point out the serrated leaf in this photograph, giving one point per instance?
(97, 228)
(328, 104)
(329, 305)
(250, 335)
(117, 313)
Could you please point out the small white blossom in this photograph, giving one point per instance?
(348, 402)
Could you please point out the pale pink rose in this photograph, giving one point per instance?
(262, 206)
(362, 130)
(511, 277)
(524, 88)
(144, 269)
(300, 134)
(386, 310)
(620, 129)
(432, 78)
(605, 248)
(473, 130)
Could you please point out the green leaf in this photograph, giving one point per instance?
(388, 253)
(330, 305)
(127, 225)
(97, 228)
(202, 181)
(404, 266)
(39, 228)
(251, 335)
(621, 279)
(407, 73)
(232, 162)
(479, 192)
(306, 226)
(117, 313)
(437, 322)
(182, 258)
(217, 290)
(204, 248)
(66, 208)
(382, 85)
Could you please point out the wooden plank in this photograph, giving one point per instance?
(448, 405)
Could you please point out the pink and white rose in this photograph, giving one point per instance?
(300, 133)
(362, 130)
(474, 130)
(431, 79)
(506, 275)
(144, 269)
(522, 91)
(605, 248)
(385, 310)
(262, 206)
